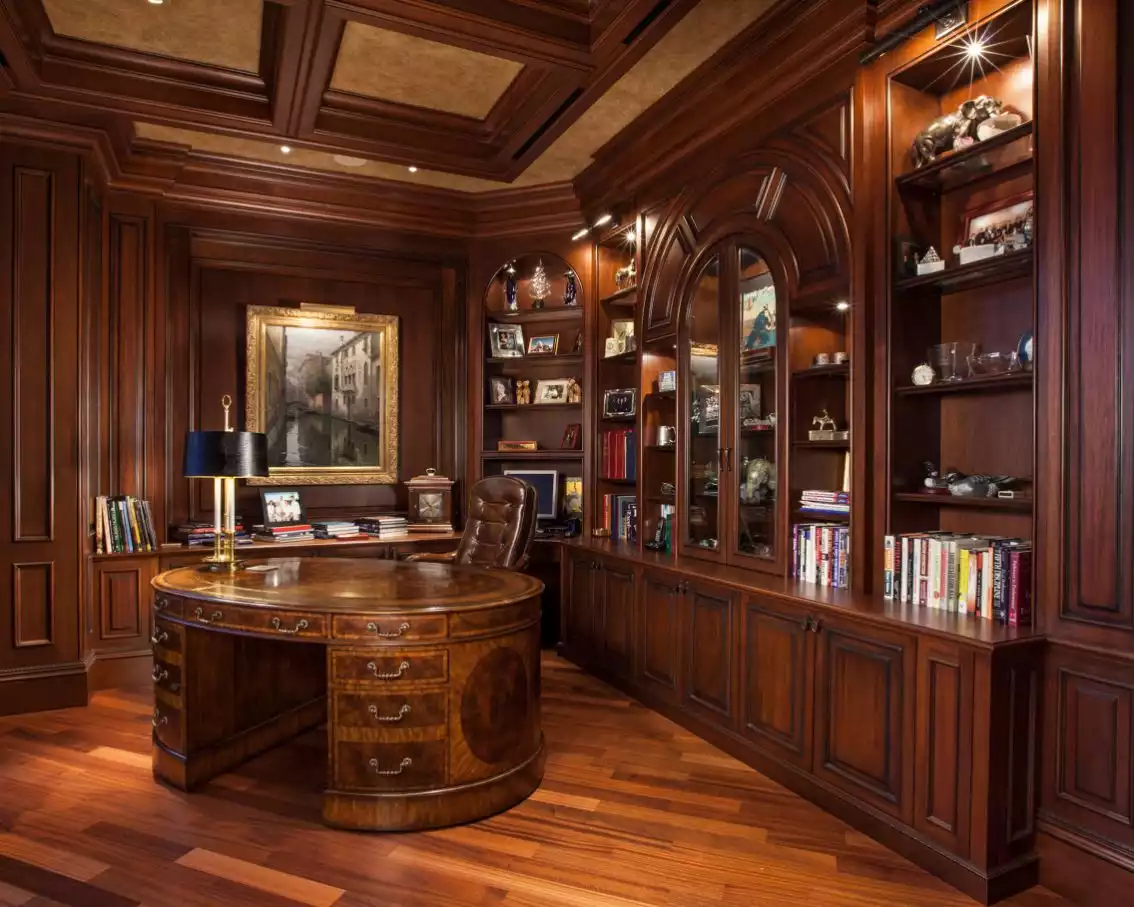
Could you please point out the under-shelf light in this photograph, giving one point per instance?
(842, 306)
(581, 234)
(604, 220)
(286, 149)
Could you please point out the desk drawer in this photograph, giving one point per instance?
(168, 604)
(389, 766)
(376, 666)
(393, 628)
(166, 637)
(392, 711)
(258, 620)
(166, 676)
(168, 725)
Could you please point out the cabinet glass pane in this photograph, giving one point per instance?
(755, 457)
(702, 521)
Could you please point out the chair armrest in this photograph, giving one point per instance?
(441, 557)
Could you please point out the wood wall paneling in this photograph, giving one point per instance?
(710, 634)
(659, 635)
(618, 618)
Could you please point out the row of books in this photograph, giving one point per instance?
(820, 554)
(981, 576)
(336, 529)
(619, 454)
(824, 503)
(620, 516)
(123, 525)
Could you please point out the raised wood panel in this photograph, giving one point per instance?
(129, 317)
(32, 359)
(864, 687)
(1099, 467)
(659, 634)
(776, 689)
(943, 764)
(618, 618)
(579, 619)
(122, 604)
(33, 605)
(710, 643)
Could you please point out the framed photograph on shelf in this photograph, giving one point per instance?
(543, 345)
(573, 495)
(501, 390)
(572, 437)
(282, 507)
(551, 390)
(1005, 223)
(506, 341)
(516, 446)
(907, 253)
(619, 402)
(749, 405)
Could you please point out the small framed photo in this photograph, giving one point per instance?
(516, 446)
(551, 390)
(572, 437)
(619, 402)
(749, 404)
(506, 340)
(501, 390)
(543, 345)
(1006, 222)
(906, 256)
(578, 347)
(667, 381)
(282, 507)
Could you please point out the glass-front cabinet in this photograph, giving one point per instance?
(733, 387)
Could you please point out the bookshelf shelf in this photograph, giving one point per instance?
(1018, 381)
(941, 500)
(552, 313)
(991, 271)
(841, 370)
(611, 481)
(533, 407)
(528, 362)
(822, 445)
(979, 161)
(531, 455)
(625, 298)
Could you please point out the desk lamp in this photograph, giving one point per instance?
(224, 457)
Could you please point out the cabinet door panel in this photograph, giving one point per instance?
(863, 713)
(579, 620)
(943, 767)
(659, 635)
(776, 689)
(617, 618)
(709, 653)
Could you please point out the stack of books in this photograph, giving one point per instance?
(123, 525)
(201, 535)
(620, 516)
(301, 532)
(336, 529)
(981, 576)
(619, 454)
(825, 503)
(820, 554)
(383, 525)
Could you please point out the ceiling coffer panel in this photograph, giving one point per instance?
(215, 32)
(391, 66)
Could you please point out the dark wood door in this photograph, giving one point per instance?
(617, 617)
(579, 616)
(659, 638)
(864, 699)
(776, 687)
(710, 621)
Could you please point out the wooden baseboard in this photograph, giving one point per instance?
(1081, 868)
(121, 669)
(43, 689)
(985, 887)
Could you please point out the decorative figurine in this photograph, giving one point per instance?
(625, 278)
(934, 482)
(930, 262)
(923, 374)
(574, 392)
(943, 134)
(571, 290)
(825, 431)
(510, 287)
(539, 287)
(759, 481)
(523, 391)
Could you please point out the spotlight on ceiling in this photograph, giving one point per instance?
(632, 237)
(412, 169)
(604, 220)
(348, 161)
(581, 234)
(842, 306)
(286, 149)
(974, 48)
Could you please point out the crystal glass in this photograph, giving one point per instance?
(988, 365)
(950, 360)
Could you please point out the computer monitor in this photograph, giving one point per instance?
(546, 484)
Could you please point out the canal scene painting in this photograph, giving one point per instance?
(323, 385)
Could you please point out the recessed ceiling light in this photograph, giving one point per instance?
(632, 237)
(157, 2)
(413, 170)
(581, 233)
(286, 149)
(347, 161)
(974, 47)
(605, 219)
(842, 306)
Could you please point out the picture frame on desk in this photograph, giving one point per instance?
(282, 507)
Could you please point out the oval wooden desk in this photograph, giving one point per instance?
(427, 676)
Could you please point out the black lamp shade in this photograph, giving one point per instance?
(225, 454)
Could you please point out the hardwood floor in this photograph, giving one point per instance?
(634, 811)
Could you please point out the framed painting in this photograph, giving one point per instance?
(322, 383)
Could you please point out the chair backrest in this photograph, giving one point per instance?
(500, 525)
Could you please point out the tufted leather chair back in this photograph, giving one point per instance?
(500, 525)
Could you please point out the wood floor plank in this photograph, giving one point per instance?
(273, 881)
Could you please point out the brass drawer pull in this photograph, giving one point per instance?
(199, 615)
(159, 674)
(402, 668)
(302, 625)
(158, 637)
(402, 712)
(161, 603)
(159, 719)
(401, 631)
(405, 763)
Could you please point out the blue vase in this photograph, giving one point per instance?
(510, 291)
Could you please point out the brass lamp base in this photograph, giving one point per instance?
(213, 565)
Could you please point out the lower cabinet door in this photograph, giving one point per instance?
(709, 653)
(659, 635)
(617, 617)
(864, 701)
(579, 613)
(944, 758)
(776, 680)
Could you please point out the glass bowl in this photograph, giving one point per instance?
(988, 365)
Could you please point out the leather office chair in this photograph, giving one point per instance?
(499, 528)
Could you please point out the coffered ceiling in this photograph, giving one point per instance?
(470, 95)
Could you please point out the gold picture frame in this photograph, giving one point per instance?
(344, 418)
